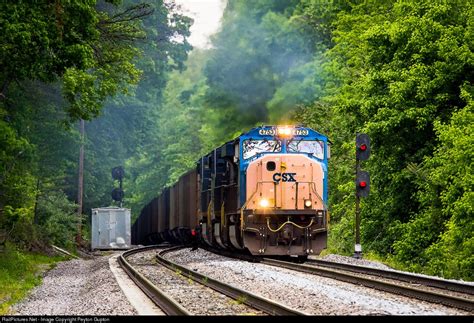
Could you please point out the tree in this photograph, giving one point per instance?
(396, 71)
(60, 62)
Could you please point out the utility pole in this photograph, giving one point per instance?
(80, 184)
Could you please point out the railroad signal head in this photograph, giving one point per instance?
(117, 194)
(362, 183)
(362, 146)
(118, 172)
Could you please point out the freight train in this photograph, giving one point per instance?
(264, 192)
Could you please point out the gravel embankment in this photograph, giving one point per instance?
(309, 293)
(77, 287)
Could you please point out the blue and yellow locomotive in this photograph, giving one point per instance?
(266, 191)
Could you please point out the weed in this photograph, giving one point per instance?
(240, 300)
(19, 273)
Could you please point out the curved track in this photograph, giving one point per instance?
(171, 307)
(431, 289)
(440, 291)
(261, 303)
(160, 298)
(435, 290)
(401, 276)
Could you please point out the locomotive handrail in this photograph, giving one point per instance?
(324, 204)
(245, 206)
(288, 222)
(223, 222)
(209, 226)
(313, 186)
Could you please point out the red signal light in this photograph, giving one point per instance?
(362, 147)
(193, 232)
(362, 182)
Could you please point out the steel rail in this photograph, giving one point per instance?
(406, 277)
(430, 296)
(159, 297)
(261, 303)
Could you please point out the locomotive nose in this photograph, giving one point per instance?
(285, 182)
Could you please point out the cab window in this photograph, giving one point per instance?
(314, 147)
(253, 147)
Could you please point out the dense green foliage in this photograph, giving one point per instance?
(403, 72)
(400, 71)
(60, 62)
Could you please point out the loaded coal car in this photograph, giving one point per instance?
(145, 229)
(265, 192)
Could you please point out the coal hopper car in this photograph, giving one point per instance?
(264, 192)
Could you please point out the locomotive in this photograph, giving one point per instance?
(264, 192)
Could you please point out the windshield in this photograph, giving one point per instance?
(314, 147)
(253, 147)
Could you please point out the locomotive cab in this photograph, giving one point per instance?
(266, 192)
(284, 191)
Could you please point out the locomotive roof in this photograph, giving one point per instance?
(255, 132)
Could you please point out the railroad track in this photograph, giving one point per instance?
(159, 297)
(171, 307)
(261, 303)
(433, 290)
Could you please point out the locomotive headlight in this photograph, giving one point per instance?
(264, 203)
(284, 132)
(307, 203)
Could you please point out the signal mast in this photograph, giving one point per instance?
(362, 182)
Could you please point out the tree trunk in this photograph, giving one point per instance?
(36, 215)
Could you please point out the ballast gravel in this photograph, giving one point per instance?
(377, 265)
(308, 293)
(77, 287)
(193, 296)
(351, 261)
(88, 287)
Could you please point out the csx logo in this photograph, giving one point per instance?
(284, 177)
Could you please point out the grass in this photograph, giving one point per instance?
(240, 300)
(19, 273)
